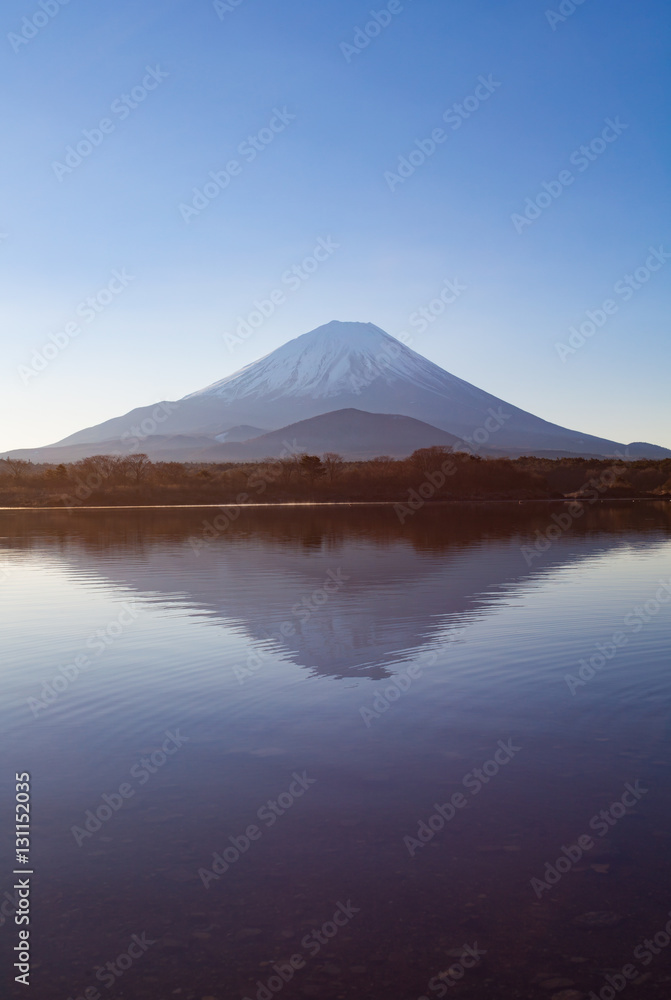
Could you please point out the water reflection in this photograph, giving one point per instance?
(308, 583)
(490, 638)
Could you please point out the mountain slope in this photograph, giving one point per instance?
(354, 434)
(343, 366)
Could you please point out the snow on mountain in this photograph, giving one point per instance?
(332, 360)
(339, 366)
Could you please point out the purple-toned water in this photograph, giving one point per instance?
(238, 741)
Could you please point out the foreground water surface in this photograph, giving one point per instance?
(239, 737)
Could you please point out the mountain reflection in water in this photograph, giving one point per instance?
(381, 664)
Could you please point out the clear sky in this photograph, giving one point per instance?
(531, 89)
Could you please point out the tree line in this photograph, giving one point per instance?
(433, 473)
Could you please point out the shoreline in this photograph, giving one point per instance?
(343, 503)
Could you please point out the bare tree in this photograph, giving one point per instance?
(333, 463)
(289, 467)
(137, 467)
(105, 467)
(429, 459)
(169, 472)
(17, 467)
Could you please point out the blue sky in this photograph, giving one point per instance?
(221, 76)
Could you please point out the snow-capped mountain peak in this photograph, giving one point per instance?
(337, 368)
(334, 359)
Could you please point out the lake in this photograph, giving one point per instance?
(315, 752)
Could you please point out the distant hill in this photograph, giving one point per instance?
(352, 433)
(337, 368)
(355, 434)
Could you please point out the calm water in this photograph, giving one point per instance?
(327, 677)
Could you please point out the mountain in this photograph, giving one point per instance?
(355, 434)
(340, 366)
(358, 434)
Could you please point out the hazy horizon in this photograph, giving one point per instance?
(322, 133)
